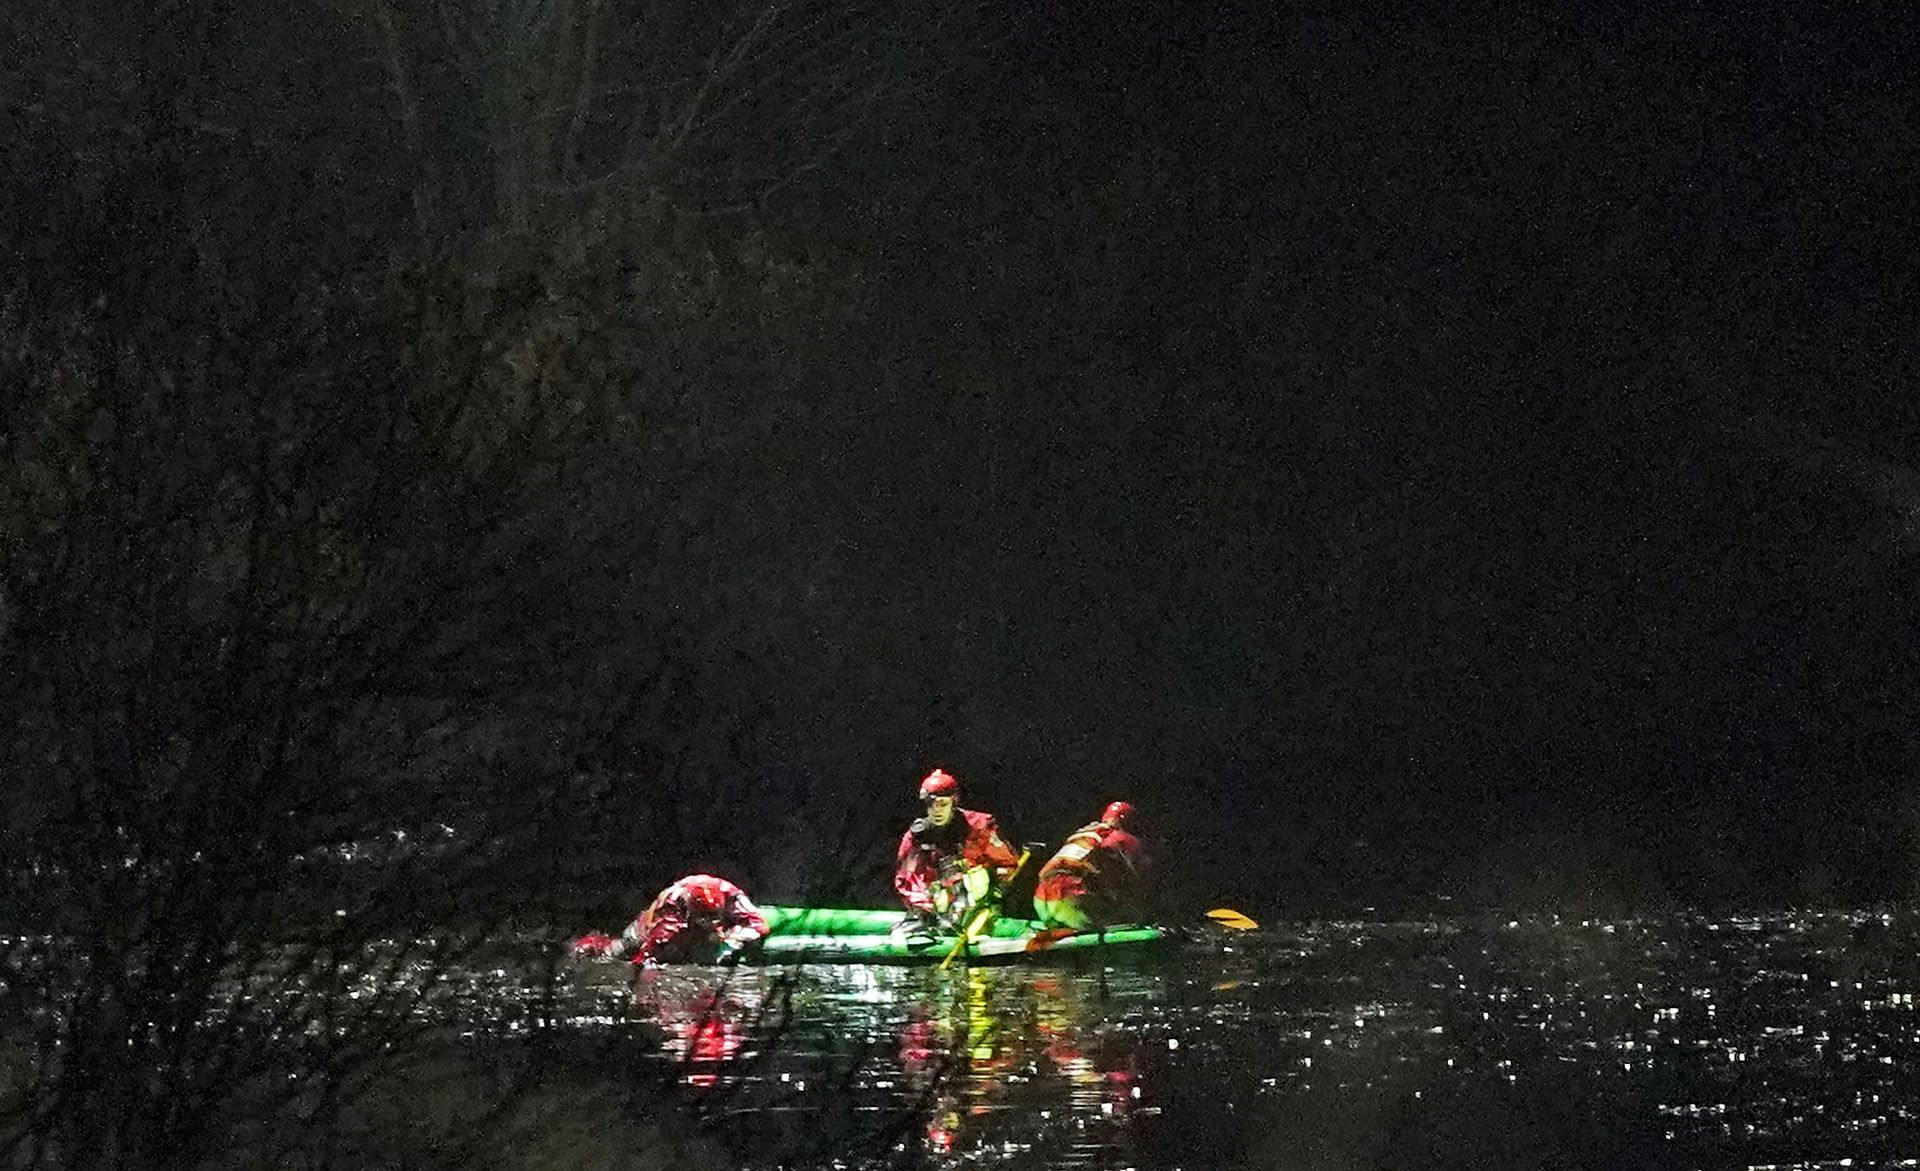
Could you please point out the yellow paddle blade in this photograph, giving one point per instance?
(1231, 919)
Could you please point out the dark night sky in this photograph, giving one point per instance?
(1404, 451)
(1440, 452)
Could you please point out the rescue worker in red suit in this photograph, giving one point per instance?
(698, 919)
(1099, 877)
(949, 860)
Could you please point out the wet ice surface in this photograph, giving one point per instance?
(1779, 1040)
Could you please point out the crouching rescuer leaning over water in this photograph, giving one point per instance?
(698, 920)
(1099, 877)
(950, 860)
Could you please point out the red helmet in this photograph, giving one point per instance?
(1116, 813)
(939, 783)
(707, 891)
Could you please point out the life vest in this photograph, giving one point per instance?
(943, 848)
(934, 860)
(1082, 853)
(941, 839)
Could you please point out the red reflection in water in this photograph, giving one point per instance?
(973, 1042)
(918, 1038)
(706, 1031)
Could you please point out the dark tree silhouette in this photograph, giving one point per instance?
(344, 590)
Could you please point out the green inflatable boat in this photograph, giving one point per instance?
(799, 935)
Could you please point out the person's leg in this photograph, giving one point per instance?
(920, 926)
(1060, 913)
(1056, 901)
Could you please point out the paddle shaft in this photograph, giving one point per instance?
(980, 916)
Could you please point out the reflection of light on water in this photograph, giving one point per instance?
(996, 1062)
(862, 984)
(704, 1020)
(1749, 1041)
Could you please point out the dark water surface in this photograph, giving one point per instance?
(1777, 1040)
